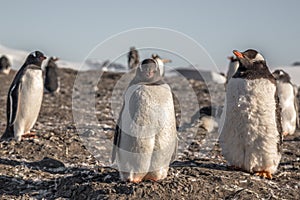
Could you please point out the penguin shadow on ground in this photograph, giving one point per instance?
(67, 182)
(201, 163)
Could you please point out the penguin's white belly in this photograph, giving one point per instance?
(233, 67)
(30, 100)
(149, 118)
(5, 71)
(161, 66)
(287, 104)
(249, 136)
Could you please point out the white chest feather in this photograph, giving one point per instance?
(233, 67)
(30, 100)
(287, 103)
(161, 66)
(149, 120)
(249, 136)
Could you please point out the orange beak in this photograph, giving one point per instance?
(238, 54)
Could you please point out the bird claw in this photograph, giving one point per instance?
(31, 135)
(264, 174)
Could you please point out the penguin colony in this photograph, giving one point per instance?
(259, 108)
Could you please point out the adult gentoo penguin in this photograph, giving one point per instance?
(232, 68)
(4, 65)
(161, 63)
(250, 124)
(25, 98)
(51, 76)
(288, 102)
(133, 58)
(145, 139)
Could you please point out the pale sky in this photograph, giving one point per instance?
(71, 29)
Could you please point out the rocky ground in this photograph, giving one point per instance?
(70, 157)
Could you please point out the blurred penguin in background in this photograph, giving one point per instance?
(232, 68)
(4, 65)
(288, 102)
(52, 84)
(133, 58)
(161, 63)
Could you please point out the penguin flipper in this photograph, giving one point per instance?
(174, 155)
(296, 103)
(13, 103)
(12, 108)
(117, 138)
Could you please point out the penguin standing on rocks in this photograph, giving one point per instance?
(232, 68)
(250, 129)
(145, 139)
(51, 77)
(161, 63)
(4, 65)
(25, 98)
(133, 58)
(288, 102)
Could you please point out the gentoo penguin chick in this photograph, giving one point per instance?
(250, 129)
(145, 139)
(51, 76)
(4, 65)
(161, 63)
(133, 58)
(232, 68)
(25, 98)
(288, 102)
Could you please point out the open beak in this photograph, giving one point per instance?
(238, 54)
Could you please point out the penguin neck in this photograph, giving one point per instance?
(254, 70)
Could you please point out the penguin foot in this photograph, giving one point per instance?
(31, 135)
(135, 180)
(151, 178)
(285, 133)
(264, 174)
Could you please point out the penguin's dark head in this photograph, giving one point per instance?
(281, 75)
(148, 71)
(53, 59)
(249, 57)
(155, 56)
(35, 58)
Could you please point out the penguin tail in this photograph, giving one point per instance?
(8, 134)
